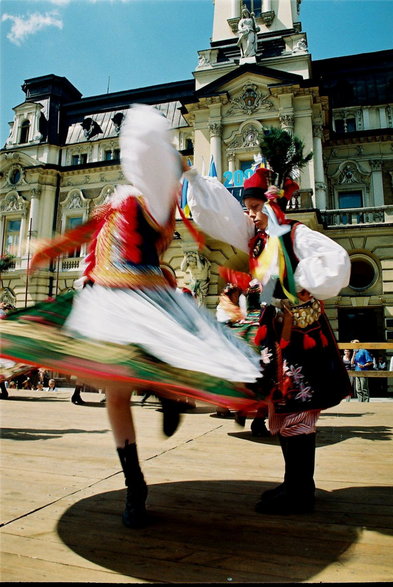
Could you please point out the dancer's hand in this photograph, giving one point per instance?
(304, 295)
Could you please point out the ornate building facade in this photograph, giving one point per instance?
(61, 158)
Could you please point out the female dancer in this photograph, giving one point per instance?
(128, 328)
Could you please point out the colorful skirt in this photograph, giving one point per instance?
(185, 352)
(291, 359)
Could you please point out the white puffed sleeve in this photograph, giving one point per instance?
(149, 160)
(324, 267)
(217, 212)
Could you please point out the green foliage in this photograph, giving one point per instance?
(284, 154)
(6, 261)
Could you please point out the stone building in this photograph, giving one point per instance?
(61, 158)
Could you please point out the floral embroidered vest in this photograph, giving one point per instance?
(127, 247)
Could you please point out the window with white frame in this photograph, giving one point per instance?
(24, 132)
(71, 223)
(345, 125)
(112, 155)
(79, 159)
(11, 238)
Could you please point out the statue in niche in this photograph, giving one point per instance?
(197, 274)
(247, 31)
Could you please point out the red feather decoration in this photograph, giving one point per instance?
(237, 278)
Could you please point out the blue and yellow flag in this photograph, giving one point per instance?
(184, 196)
(212, 168)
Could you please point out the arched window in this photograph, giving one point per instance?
(24, 131)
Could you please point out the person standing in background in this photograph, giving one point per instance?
(362, 360)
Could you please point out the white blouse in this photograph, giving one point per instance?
(324, 266)
(148, 159)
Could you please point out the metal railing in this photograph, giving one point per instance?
(357, 216)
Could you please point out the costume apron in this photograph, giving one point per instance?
(301, 365)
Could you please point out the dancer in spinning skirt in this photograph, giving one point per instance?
(128, 328)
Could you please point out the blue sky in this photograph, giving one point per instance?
(134, 43)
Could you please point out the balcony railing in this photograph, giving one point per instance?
(357, 216)
(70, 264)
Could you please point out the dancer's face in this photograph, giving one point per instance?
(254, 208)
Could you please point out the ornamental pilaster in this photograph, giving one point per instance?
(231, 157)
(215, 130)
(34, 212)
(377, 181)
(319, 174)
(287, 122)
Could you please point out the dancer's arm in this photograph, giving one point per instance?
(217, 212)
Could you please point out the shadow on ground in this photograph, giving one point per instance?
(327, 435)
(207, 531)
(34, 434)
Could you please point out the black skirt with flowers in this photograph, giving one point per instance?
(301, 365)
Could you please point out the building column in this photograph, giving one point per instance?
(320, 184)
(235, 8)
(215, 129)
(33, 218)
(231, 162)
(34, 211)
(377, 182)
(266, 5)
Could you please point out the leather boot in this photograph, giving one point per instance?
(270, 492)
(172, 410)
(134, 515)
(76, 396)
(258, 428)
(297, 494)
(3, 391)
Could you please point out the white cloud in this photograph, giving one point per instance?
(24, 26)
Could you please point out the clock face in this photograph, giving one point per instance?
(15, 176)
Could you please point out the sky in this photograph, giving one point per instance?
(116, 45)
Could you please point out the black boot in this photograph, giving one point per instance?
(3, 391)
(240, 418)
(134, 515)
(297, 494)
(76, 396)
(270, 492)
(258, 428)
(171, 410)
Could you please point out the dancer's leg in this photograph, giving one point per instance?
(120, 417)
